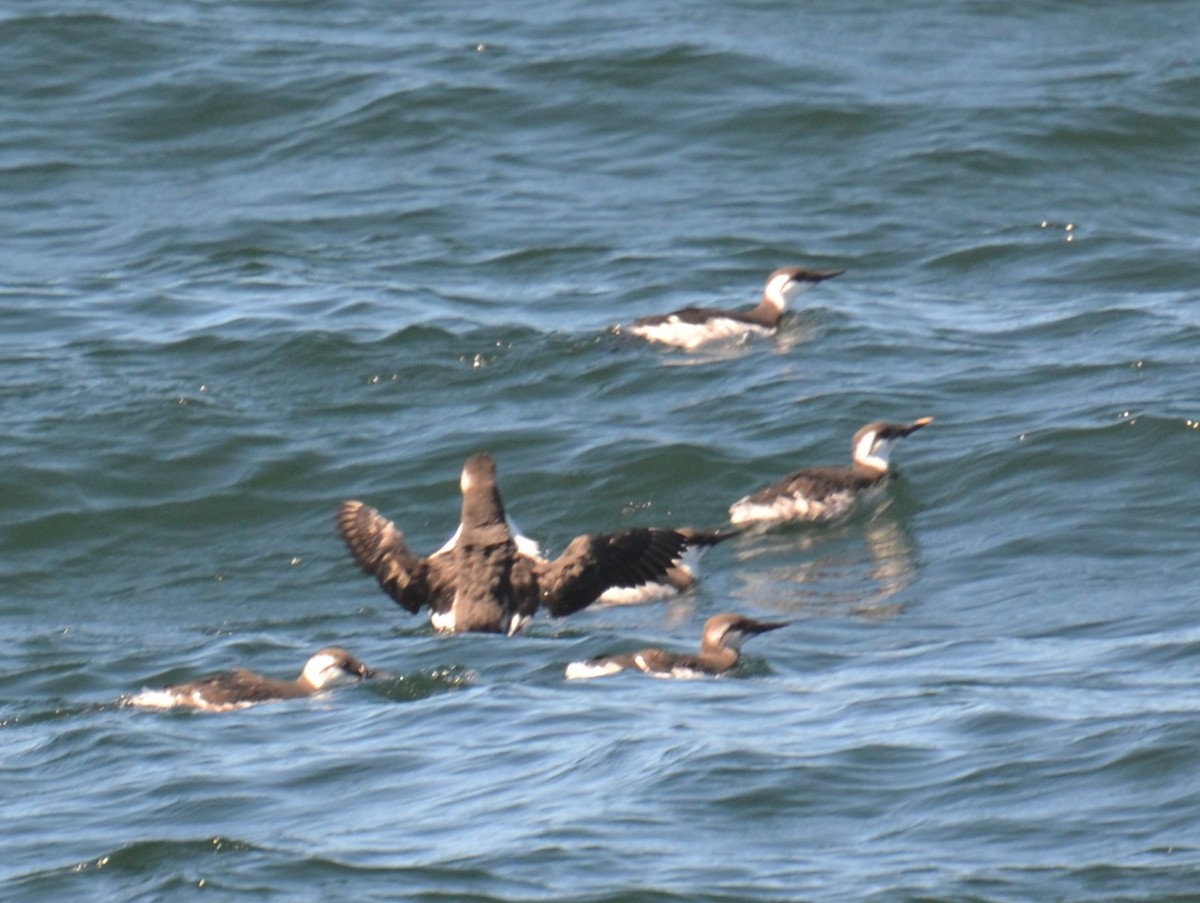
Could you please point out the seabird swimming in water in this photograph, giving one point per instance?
(720, 648)
(484, 579)
(679, 579)
(826, 493)
(693, 326)
(241, 688)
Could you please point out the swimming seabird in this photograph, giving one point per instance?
(826, 493)
(720, 648)
(693, 326)
(680, 578)
(484, 580)
(241, 688)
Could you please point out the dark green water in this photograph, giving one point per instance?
(261, 257)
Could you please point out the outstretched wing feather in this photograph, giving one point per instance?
(379, 548)
(595, 562)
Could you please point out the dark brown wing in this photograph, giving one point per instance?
(602, 667)
(241, 686)
(693, 316)
(379, 548)
(659, 661)
(814, 483)
(702, 538)
(593, 563)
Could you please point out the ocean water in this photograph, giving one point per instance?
(260, 257)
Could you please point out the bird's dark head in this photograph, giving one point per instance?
(730, 630)
(482, 504)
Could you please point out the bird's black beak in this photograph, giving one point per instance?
(764, 626)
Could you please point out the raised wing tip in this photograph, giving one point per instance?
(707, 536)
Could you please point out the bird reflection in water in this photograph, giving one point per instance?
(851, 568)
